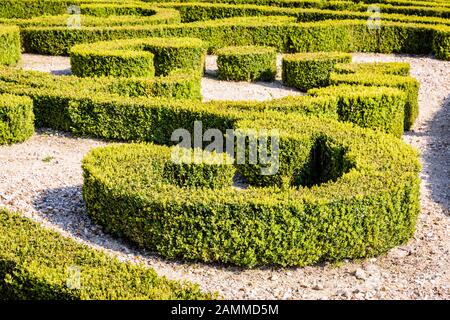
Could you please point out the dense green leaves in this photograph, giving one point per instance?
(248, 63)
(36, 263)
(305, 71)
(16, 118)
(352, 193)
(9, 45)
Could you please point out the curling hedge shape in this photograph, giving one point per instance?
(305, 71)
(16, 118)
(350, 193)
(248, 63)
(36, 264)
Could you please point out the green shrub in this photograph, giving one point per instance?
(393, 68)
(249, 63)
(36, 263)
(16, 118)
(407, 84)
(378, 108)
(352, 193)
(68, 104)
(9, 45)
(310, 70)
(137, 57)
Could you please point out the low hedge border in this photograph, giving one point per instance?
(407, 84)
(367, 201)
(280, 32)
(16, 118)
(305, 71)
(161, 16)
(35, 264)
(247, 63)
(9, 45)
(380, 108)
(138, 57)
(69, 105)
(393, 68)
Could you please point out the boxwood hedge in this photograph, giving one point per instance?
(305, 71)
(16, 118)
(76, 103)
(138, 57)
(9, 45)
(350, 193)
(36, 264)
(247, 63)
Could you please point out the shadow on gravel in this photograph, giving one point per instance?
(62, 72)
(436, 156)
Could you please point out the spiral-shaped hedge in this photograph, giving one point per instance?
(363, 199)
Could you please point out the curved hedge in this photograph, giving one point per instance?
(9, 45)
(362, 199)
(16, 118)
(138, 57)
(305, 71)
(35, 264)
(248, 63)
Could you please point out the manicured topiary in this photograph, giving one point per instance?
(16, 118)
(137, 57)
(9, 45)
(248, 63)
(344, 192)
(405, 83)
(39, 264)
(310, 70)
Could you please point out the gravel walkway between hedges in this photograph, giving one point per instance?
(42, 178)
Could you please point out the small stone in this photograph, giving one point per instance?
(360, 274)
(318, 286)
(274, 277)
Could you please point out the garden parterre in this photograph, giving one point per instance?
(80, 113)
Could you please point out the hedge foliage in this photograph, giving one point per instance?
(16, 118)
(351, 193)
(405, 83)
(76, 104)
(35, 264)
(380, 108)
(138, 57)
(281, 32)
(9, 45)
(305, 71)
(247, 63)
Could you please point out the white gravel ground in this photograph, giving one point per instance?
(42, 178)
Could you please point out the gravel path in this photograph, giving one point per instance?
(42, 178)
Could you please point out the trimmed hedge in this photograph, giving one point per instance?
(248, 63)
(310, 70)
(9, 45)
(280, 32)
(393, 68)
(68, 104)
(362, 201)
(35, 264)
(407, 84)
(16, 118)
(137, 57)
(380, 108)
